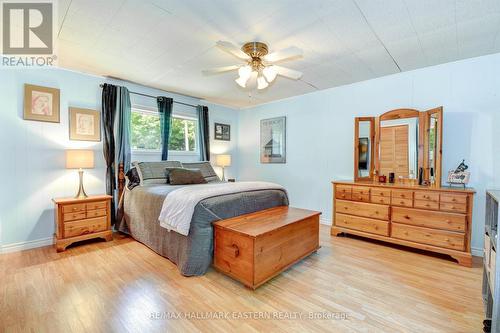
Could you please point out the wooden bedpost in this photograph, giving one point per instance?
(121, 181)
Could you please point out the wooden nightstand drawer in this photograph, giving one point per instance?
(74, 216)
(96, 213)
(73, 208)
(83, 227)
(96, 205)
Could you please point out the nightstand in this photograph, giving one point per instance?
(80, 219)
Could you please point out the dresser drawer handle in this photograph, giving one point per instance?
(376, 227)
(453, 200)
(427, 205)
(233, 250)
(401, 202)
(407, 217)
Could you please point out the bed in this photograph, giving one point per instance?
(141, 206)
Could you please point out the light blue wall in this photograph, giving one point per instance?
(32, 153)
(320, 130)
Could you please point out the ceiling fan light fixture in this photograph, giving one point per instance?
(270, 73)
(245, 72)
(242, 81)
(261, 83)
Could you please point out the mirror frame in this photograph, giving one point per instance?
(357, 120)
(423, 141)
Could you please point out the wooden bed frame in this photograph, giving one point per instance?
(121, 180)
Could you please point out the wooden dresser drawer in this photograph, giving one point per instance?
(362, 209)
(96, 205)
(74, 216)
(402, 202)
(96, 213)
(453, 207)
(381, 192)
(362, 224)
(427, 196)
(343, 192)
(446, 239)
(381, 200)
(73, 208)
(361, 193)
(402, 194)
(429, 219)
(454, 198)
(83, 227)
(424, 204)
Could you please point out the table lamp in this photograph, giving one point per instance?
(223, 161)
(80, 159)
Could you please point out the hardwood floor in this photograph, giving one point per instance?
(122, 286)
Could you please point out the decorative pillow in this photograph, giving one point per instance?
(154, 172)
(182, 176)
(133, 178)
(206, 170)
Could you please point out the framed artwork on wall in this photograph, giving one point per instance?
(222, 132)
(273, 140)
(41, 103)
(84, 125)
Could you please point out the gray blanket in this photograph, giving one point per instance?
(193, 253)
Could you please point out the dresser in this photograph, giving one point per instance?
(81, 219)
(436, 219)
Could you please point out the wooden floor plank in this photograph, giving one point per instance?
(123, 286)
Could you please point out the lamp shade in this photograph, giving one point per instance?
(79, 158)
(223, 160)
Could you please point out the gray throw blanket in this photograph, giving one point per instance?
(193, 253)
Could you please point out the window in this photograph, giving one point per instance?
(146, 133)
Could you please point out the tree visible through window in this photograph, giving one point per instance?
(146, 134)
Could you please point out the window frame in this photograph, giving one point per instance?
(179, 115)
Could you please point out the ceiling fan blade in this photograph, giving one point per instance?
(232, 49)
(289, 73)
(282, 55)
(218, 70)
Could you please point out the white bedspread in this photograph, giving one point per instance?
(178, 207)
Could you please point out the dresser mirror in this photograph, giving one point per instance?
(405, 142)
(363, 147)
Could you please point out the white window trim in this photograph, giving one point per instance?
(151, 111)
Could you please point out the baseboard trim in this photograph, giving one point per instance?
(15, 247)
(476, 251)
(325, 221)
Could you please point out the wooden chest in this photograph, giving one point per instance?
(253, 248)
(80, 219)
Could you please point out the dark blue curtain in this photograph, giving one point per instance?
(109, 99)
(204, 132)
(165, 110)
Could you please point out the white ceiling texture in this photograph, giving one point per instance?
(166, 43)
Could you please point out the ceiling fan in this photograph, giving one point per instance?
(259, 64)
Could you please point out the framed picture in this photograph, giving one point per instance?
(84, 124)
(41, 103)
(222, 132)
(273, 140)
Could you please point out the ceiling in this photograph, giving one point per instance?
(166, 43)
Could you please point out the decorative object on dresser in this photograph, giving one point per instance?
(222, 132)
(459, 175)
(414, 210)
(253, 248)
(427, 218)
(491, 275)
(84, 125)
(273, 140)
(41, 103)
(223, 161)
(80, 159)
(78, 219)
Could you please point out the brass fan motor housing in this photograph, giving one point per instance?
(255, 49)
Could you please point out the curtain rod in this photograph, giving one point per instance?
(150, 96)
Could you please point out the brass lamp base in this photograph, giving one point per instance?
(81, 191)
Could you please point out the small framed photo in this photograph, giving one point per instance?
(84, 125)
(222, 132)
(41, 103)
